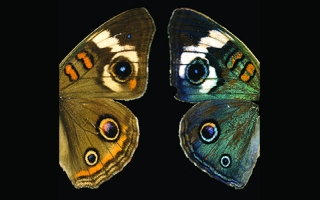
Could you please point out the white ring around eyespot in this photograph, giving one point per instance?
(215, 39)
(211, 80)
(215, 132)
(225, 157)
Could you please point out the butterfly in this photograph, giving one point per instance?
(98, 135)
(213, 69)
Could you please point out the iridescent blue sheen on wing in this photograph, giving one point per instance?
(194, 34)
(209, 65)
(239, 138)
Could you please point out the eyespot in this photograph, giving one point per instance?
(209, 132)
(129, 36)
(108, 128)
(121, 71)
(225, 161)
(91, 157)
(197, 71)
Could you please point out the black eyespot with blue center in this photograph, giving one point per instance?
(209, 132)
(91, 157)
(108, 128)
(197, 71)
(121, 70)
(129, 36)
(225, 161)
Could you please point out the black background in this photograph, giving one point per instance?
(159, 167)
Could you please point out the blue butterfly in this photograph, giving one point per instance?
(211, 67)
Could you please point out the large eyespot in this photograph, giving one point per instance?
(91, 157)
(225, 161)
(197, 71)
(108, 128)
(121, 70)
(209, 132)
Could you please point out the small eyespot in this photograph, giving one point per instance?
(129, 36)
(91, 157)
(197, 71)
(225, 161)
(209, 132)
(108, 128)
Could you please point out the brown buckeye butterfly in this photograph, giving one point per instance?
(97, 135)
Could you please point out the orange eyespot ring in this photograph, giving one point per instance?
(109, 129)
(209, 132)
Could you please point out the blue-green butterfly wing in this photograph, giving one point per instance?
(213, 68)
(223, 139)
(208, 62)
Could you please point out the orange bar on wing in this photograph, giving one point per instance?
(248, 73)
(245, 77)
(238, 55)
(250, 69)
(71, 72)
(113, 152)
(86, 60)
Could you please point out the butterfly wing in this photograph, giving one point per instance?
(208, 62)
(222, 138)
(220, 135)
(97, 135)
(97, 139)
(112, 61)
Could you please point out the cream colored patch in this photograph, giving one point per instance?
(118, 48)
(107, 77)
(103, 40)
(216, 39)
(98, 36)
(197, 49)
(186, 58)
(210, 82)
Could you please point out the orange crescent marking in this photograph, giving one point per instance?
(132, 84)
(113, 152)
(238, 55)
